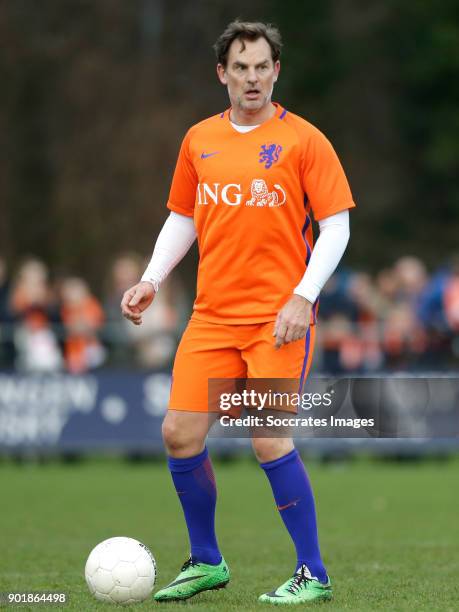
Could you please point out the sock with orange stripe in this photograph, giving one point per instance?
(195, 485)
(295, 502)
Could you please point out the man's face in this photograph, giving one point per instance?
(250, 74)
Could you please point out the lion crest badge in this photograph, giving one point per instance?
(261, 196)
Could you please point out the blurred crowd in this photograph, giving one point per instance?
(400, 319)
(58, 324)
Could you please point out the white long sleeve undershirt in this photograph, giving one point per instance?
(173, 243)
(326, 255)
(179, 233)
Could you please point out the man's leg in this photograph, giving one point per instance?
(206, 351)
(277, 456)
(184, 435)
(284, 468)
(294, 499)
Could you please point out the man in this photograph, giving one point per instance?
(245, 183)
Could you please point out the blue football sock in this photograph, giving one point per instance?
(295, 502)
(195, 485)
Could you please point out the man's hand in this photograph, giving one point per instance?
(136, 300)
(292, 320)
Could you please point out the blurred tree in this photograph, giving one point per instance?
(422, 41)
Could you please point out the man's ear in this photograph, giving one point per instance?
(221, 73)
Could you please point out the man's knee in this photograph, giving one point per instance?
(181, 439)
(270, 449)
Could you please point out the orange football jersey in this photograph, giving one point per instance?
(251, 195)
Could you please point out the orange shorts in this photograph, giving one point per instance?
(211, 350)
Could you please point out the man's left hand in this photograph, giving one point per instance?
(292, 320)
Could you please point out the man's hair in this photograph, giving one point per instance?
(247, 30)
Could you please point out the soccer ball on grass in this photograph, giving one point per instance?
(120, 570)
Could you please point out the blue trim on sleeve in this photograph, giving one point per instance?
(307, 347)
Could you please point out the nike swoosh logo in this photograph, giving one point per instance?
(292, 503)
(206, 155)
(185, 580)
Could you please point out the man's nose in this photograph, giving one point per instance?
(252, 76)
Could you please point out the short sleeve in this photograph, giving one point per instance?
(182, 195)
(324, 181)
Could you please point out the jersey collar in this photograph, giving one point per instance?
(280, 113)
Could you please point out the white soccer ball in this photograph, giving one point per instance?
(120, 570)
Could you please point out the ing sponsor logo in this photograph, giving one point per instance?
(232, 194)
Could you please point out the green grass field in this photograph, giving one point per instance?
(389, 532)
